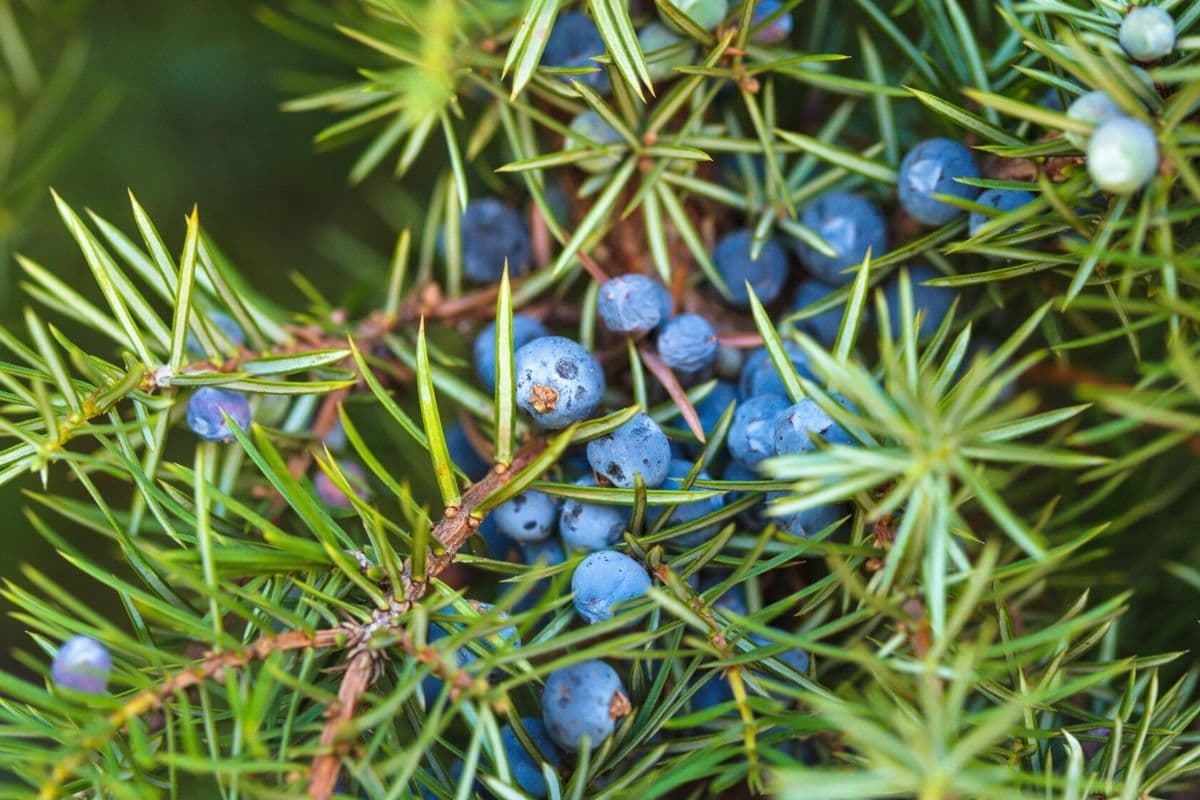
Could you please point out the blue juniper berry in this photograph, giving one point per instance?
(575, 42)
(780, 26)
(528, 517)
(688, 512)
(526, 767)
(688, 344)
(759, 375)
(930, 168)
(824, 326)
(590, 526)
(224, 323)
(492, 233)
(933, 301)
(637, 447)
(633, 304)
(808, 522)
(752, 435)
(603, 579)
(851, 225)
(205, 408)
(558, 381)
(795, 424)
(581, 700)
(714, 404)
(1002, 201)
(765, 274)
(81, 665)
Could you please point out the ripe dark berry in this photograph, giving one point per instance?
(575, 42)
(793, 429)
(558, 381)
(604, 579)
(1002, 200)
(205, 413)
(528, 517)
(491, 233)
(524, 330)
(591, 526)
(752, 435)
(933, 301)
(82, 665)
(526, 767)
(765, 274)
(637, 447)
(688, 344)
(932, 168)
(848, 223)
(633, 304)
(583, 700)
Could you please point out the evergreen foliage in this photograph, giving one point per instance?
(1001, 612)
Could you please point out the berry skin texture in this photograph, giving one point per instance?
(850, 224)
(574, 42)
(633, 304)
(685, 513)
(931, 168)
(583, 699)
(558, 381)
(934, 301)
(590, 526)
(589, 129)
(491, 232)
(759, 375)
(228, 327)
(1094, 108)
(765, 274)
(637, 447)
(656, 36)
(794, 425)
(81, 665)
(824, 326)
(710, 409)
(752, 435)
(528, 517)
(330, 494)
(707, 14)
(808, 522)
(780, 27)
(524, 330)
(1002, 200)
(1148, 33)
(1122, 156)
(688, 344)
(604, 579)
(526, 767)
(204, 413)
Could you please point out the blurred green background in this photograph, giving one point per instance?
(178, 102)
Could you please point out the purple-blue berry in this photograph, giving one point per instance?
(930, 168)
(765, 274)
(759, 375)
(1122, 156)
(224, 323)
(492, 233)
(688, 344)
(463, 453)
(464, 656)
(637, 447)
(205, 408)
(633, 304)
(932, 301)
(851, 225)
(1148, 33)
(524, 330)
(558, 381)
(602, 580)
(780, 26)
(330, 494)
(1094, 108)
(588, 130)
(714, 404)
(575, 42)
(528, 517)
(583, 700)
(526, 767)
(808, 522)
(752, 435)
(591, 526)
(1001, 201)
(752, 518)
(796, 424)
(82, 665)
(793, 657)
(823, 327)
(686, 513)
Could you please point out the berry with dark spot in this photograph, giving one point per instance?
(591, 526)
(765, 274)
(524, 330)
(752, 435)
(558, 381)
(206, 409)
(583, 700)
(528, 517)
(688, 344)
(492, 233)
(575, 42)
(633, 304)
(81, 665)
(851, 225)
(933, 167)
(604, 579)
(637, 447)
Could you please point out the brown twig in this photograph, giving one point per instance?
(667, 378)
